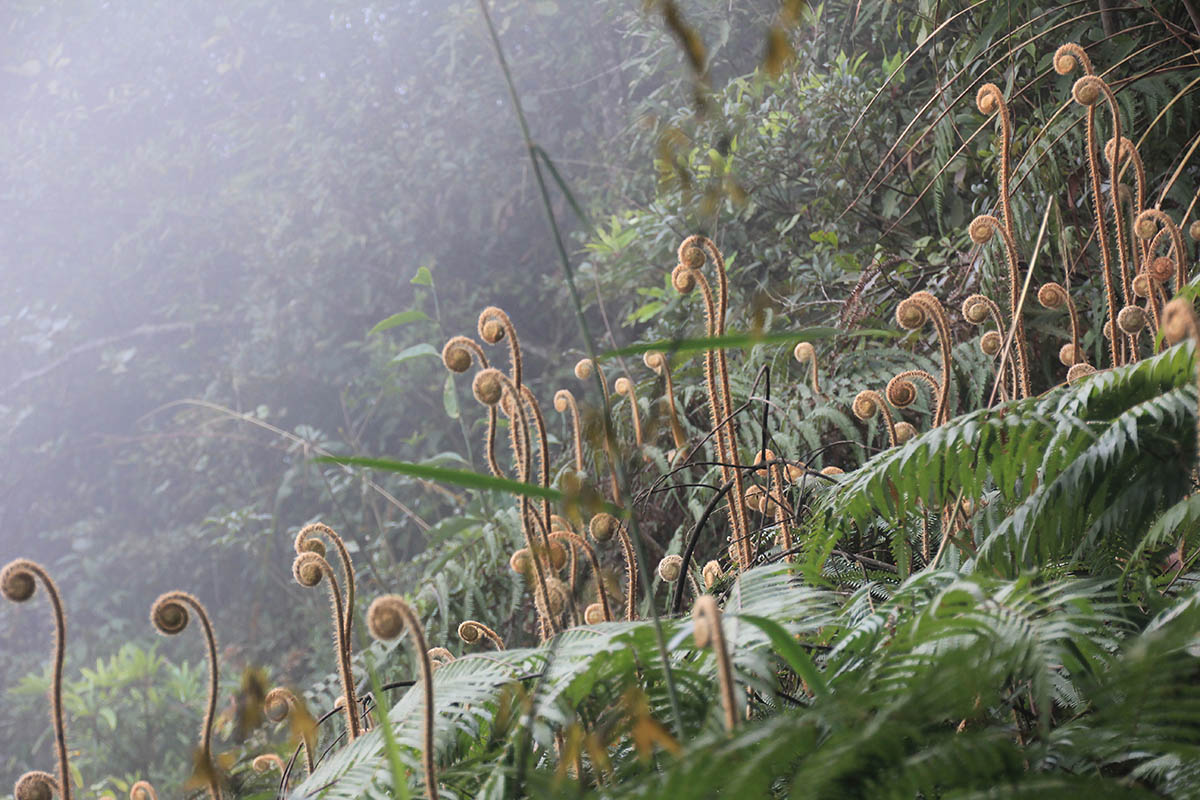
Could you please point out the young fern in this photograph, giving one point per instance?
(170, 615)
(308, 568)
(387, 618)
(471, 632)
(278, 705)
(1054, 297)
(18, 583)
(977, 309)
(624, 387)
(658, 363)
(564, 402)
(693, 252)
(912, 314)
(805, 353)
(707, 630)
(589, 552)
(603, 527)
(457, 355)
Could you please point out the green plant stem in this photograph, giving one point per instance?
(569, 276)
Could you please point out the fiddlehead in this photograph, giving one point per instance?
(912, 313)
(624, 387)
(657, 362)
(564, 402)
(1054, 297)
(602, 528)
(18, 583)
(495, 325)
(589, 552)
(277, 706)
(867, 404)
(977, 309)
(457, 355)
(981, 230)
(471, 632)
(707, 630)
(387, 618)
(805, 353)
(170, 615)
(308, 568)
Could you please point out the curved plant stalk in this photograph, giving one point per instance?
(658, 363)
(976, 309)
(901, 392)
(912, 314)
(387, 618)
(1054, 297)
(1146, 230)
(489, 386)
(539, 424)
(624, 387)
(805, 353)
(564, 402)
(981, 230)
(457, 355)
(18, 583)
(867, 404)
(307, 541)
(776, 498)
(585, 369)
(495, 325)
(267, 762)
(170, 615)
(1180, 322)
(1129, 156)
(471, 632)
(308, 568)
(277, 706)
(602, 528)
(590, 553)
(693, 252)
(1066, 59)
(707, 630)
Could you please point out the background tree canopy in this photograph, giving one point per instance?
(235, 237)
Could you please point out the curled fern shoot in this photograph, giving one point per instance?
(707, 630)
(308, 569)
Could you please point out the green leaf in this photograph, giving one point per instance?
(450, 397)
(395, 320)
(458, 477)
(416, 351)
(791, 652)
(724, 342)
(423, 277)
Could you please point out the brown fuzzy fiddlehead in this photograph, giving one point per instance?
(277, 705)
(978, 309)
(1087, 92)
(981, 230)
(471, 632)
(707, 630)
(308, 539)
(1146, 229)
(693, 253)
(657, 362)
(602, 528)
(142, 790)
(902, 392)
(18, 583)
(867, 404)
(170, 615)
(805, 353)
(590, 553)
(308, 569)
(457, 355)
(564, 402)
(912, 314)
(387, 618)
(495, 325)
(1054, 297)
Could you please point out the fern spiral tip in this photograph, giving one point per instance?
(989, 343)
(603, 526)
(17, 582)
(1132, 319)
(487, 386)
(1141, 285)
(455, 356)
(1069, 355)
(1079, 371)
(833, 471)
(712, 573)
(492, 324)
(1194, 230)
(981, 229)
(989, 99)
(670, 568)
(521, 562)
(385, 617)
(1052, 296)
(593, 614)
(804, 352)
(975, 309)
(35, 786)
(142, 790)
(1160, 269)
(308, 568)
(583, 369)
(1087, 90)
(864, 405)
(169, 614)
(683, 279)
(904, 431)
